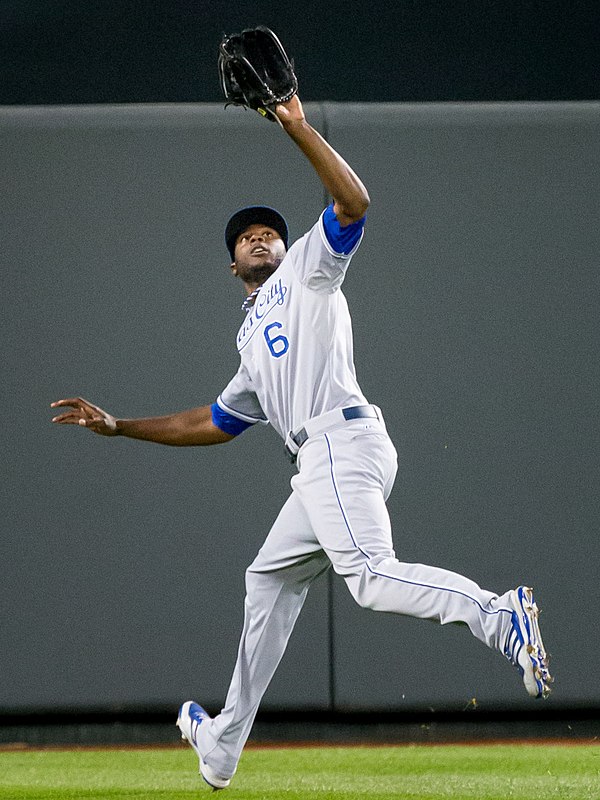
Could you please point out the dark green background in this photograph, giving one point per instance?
(69, 51)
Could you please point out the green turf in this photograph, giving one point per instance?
(491, 772)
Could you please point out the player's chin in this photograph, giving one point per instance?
(258, 272)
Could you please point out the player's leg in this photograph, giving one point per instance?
(345, 478)
(276, 587)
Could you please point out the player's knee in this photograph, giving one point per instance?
(255, 581)
(365, 594)
(369, 603)
(368, 590)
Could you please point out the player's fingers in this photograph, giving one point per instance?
(96, 424)
(80, 412)
(73, 401)
(82, 406)
(76, 402)
(71, 418)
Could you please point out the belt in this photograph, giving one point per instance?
(326, 422)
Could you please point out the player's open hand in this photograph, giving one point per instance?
(291, 111)
(87, 415)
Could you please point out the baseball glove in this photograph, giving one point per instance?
(255, 71)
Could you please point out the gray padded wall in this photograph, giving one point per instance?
(474, 298)
(123, 563)
(475, 304)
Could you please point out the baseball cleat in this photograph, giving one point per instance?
(524, 647)
(190, 717)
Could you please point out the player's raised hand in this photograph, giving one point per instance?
(291, 111)
(85, 414)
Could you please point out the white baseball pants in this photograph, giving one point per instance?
(336, 514)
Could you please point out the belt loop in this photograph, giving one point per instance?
(291, 448)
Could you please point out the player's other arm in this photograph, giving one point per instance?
(350, 196)
(185, 428)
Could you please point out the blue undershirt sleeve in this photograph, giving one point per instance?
(227, 422)
(343, 240)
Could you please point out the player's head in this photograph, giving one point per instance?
(257, 240)
(254, 215)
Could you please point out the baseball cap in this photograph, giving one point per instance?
(262, 215)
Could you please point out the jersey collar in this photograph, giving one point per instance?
(248, 303)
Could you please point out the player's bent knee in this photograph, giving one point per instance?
(369, 590)
(365, 594)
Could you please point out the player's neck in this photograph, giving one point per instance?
(252, 287)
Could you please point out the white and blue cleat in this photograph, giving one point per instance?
(524, 646)
(190, 717)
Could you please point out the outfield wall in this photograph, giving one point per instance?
(475, 300)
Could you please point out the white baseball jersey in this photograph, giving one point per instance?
(296, 342)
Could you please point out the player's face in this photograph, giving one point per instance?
(259, 250)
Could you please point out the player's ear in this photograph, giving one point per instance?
(233, 268)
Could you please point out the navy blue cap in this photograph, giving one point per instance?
(251, 215)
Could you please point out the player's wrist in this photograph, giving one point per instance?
(291, 123)
(291, 111)
(119, 427)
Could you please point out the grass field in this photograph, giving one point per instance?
(480, 772)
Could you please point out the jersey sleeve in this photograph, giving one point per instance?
(237, 407)
(321, 257)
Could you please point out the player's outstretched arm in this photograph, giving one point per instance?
(351, 198)
(185, 428)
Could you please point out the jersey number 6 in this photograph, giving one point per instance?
(278, 345)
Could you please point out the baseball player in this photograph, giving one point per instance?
(296, 372)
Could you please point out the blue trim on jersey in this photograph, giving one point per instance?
(343, 240)
(227, 422)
